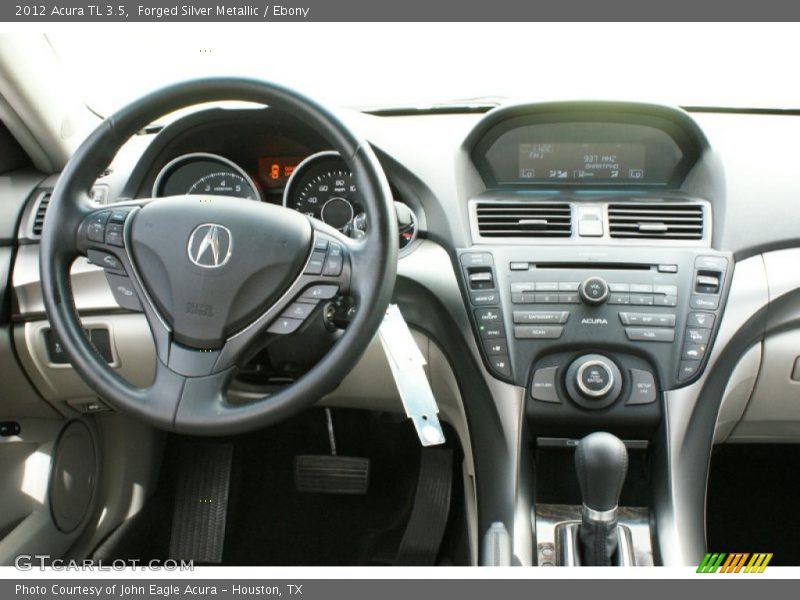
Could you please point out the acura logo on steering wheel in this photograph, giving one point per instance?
(210, 245)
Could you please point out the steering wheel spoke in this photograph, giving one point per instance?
(327, 273)
(104, 238)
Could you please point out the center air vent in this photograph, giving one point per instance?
(656, 221)
(524, 219)
(41, 209)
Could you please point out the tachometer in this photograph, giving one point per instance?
(222, 183)
(203, 173)
(324, 188)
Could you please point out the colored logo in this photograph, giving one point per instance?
(737, 562)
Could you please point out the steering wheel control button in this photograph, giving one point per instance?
(595, 379)
(700, 320)
(704, 302)
(315, 263)
(333, 265)
(543, 385)
(643, 387)
(321, 244)
(594, 291)
(538, 332)
(119, 215)
(123, 292)
(500, 364)
(299, 310)
(96, 227)
(650, 334)
(540, 317)
(284, 325)
(688, 369)
(114, 234)
(321, 292)
(108, 261)
(495, 346)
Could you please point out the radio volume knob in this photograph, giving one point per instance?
(594, 290)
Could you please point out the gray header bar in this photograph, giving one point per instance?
(405, 10)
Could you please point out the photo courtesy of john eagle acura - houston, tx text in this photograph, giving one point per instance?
(269, 298)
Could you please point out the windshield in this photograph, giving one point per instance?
(395, 65)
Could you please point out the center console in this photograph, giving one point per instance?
(591, 282)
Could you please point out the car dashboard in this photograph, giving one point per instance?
(578, 266)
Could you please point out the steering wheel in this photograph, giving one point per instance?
(215, 275)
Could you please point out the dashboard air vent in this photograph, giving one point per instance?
(656, 221)
(41, 209)
(524, 219)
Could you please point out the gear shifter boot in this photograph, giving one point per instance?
(598, 543)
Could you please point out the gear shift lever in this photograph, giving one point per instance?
(601, 463)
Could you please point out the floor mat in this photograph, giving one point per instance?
(753, 494)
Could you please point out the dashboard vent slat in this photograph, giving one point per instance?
(41, 209)
(525, 220)
(656, 221)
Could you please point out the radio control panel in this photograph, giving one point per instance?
(661, 304)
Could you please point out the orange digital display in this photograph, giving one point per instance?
(274, 171)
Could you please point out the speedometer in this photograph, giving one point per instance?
(324, 188)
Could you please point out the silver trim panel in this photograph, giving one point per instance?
(681, 527)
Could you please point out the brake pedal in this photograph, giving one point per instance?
(331, 474)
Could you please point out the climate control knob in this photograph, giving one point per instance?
(594, 290)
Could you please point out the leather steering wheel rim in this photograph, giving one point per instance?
(195, 403)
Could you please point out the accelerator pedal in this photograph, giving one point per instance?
(331, 474)
(201, 502)
(428, 520)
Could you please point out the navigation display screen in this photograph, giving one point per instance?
(574, 161)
